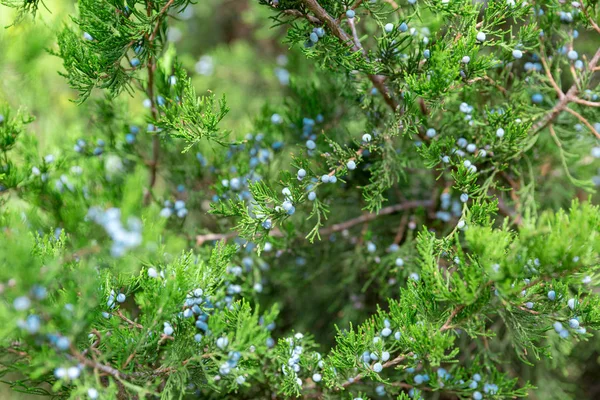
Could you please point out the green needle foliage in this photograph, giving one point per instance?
(415, 219)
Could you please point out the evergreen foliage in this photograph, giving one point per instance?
(416, 219)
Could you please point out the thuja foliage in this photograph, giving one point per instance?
(415, 220)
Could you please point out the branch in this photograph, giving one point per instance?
(150, 92)
(564, 101)
(407, 205)
(298, 14)
(332, 24)
(584, 121)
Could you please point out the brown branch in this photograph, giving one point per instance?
(407, 205)
(564, 101)
(377, 80)
(591, 20)
(130, 322)
(150, 92)
(583, 120)
(586, 102)
(298, 14)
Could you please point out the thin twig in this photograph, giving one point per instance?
(407, 205)
(377, 80)
(583, 121)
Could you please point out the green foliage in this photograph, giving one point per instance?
(411, 215)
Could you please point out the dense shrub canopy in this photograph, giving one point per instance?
(348, 200)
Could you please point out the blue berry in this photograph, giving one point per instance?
(477, 377)
(314, 37)
(332, 179)
(378, 367)
(517, 54)
(351, 165)
(135, 62)
(63, 343)
(403, 27)
(301, 174)
(529, 305)
(537, 98)
(574, 323)
(366, 138)
(311, 145)
(464, 197)
(267, 224)
(552, 295)
(418, 379)
(477, 396)
(121, 298)
(320, 33)
(389, 28)
(22, 303)
(350, 14)
(573, 55)
(427, 53)
(312, 196)
(222, 342)
(325, 179)
(130, 138)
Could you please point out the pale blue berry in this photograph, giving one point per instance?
(377, 367)
(121, 297)
(574, 323)
(312, 196)
(477, 396)
(314, 37)
(389, 28)
(325, 179)
(403, 27)
(552, 295)
(311, 145)
(267, 224)
(366, 138)
(529, 305)
(572, 55)
(517, 54)
(351, 165)
(21, 303)
(222, 342)
(350, 14)
(481, 36)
